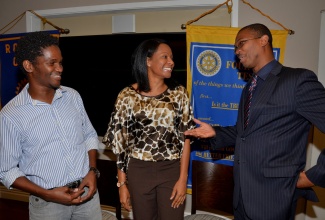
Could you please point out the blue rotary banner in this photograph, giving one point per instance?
(215, 79)
(11, 78)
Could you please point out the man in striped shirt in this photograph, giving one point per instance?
(48, 146)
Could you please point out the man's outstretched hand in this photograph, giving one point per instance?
(204, 130)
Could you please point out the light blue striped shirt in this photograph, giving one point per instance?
(48, 142)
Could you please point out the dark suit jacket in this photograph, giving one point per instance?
(271, 152)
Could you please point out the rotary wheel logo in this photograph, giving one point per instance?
(208, 63)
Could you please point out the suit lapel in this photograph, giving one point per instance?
(240, 118)
(263, 95)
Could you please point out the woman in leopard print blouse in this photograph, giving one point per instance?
(146, 132)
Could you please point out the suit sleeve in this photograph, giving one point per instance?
(225, 137)
(310, 97)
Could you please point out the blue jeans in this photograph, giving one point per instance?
(40, 209)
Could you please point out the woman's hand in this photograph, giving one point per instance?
(179, 194)
(125, 197)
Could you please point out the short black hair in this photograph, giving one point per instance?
(31, 45)
(260, 30)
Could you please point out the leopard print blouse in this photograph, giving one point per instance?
(149, 128)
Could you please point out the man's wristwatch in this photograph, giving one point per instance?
(95, 170)
(119, 184)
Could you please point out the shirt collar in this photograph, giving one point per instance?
(265, 70)
(23, 98)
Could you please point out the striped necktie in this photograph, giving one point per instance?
(249, 100)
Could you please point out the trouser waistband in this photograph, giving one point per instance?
(72, 185)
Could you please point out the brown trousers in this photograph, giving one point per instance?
(151, 185)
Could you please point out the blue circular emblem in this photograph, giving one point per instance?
(208, 63)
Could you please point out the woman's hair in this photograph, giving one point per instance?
(145, 50)
(31, 46)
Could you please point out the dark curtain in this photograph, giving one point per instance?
(98, 67)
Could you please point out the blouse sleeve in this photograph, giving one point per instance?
(185, 115)
(116, 136)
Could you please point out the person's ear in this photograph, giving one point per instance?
(148, 62)
(28, 66)
(264, 40)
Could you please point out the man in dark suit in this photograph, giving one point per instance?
(270, 152)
